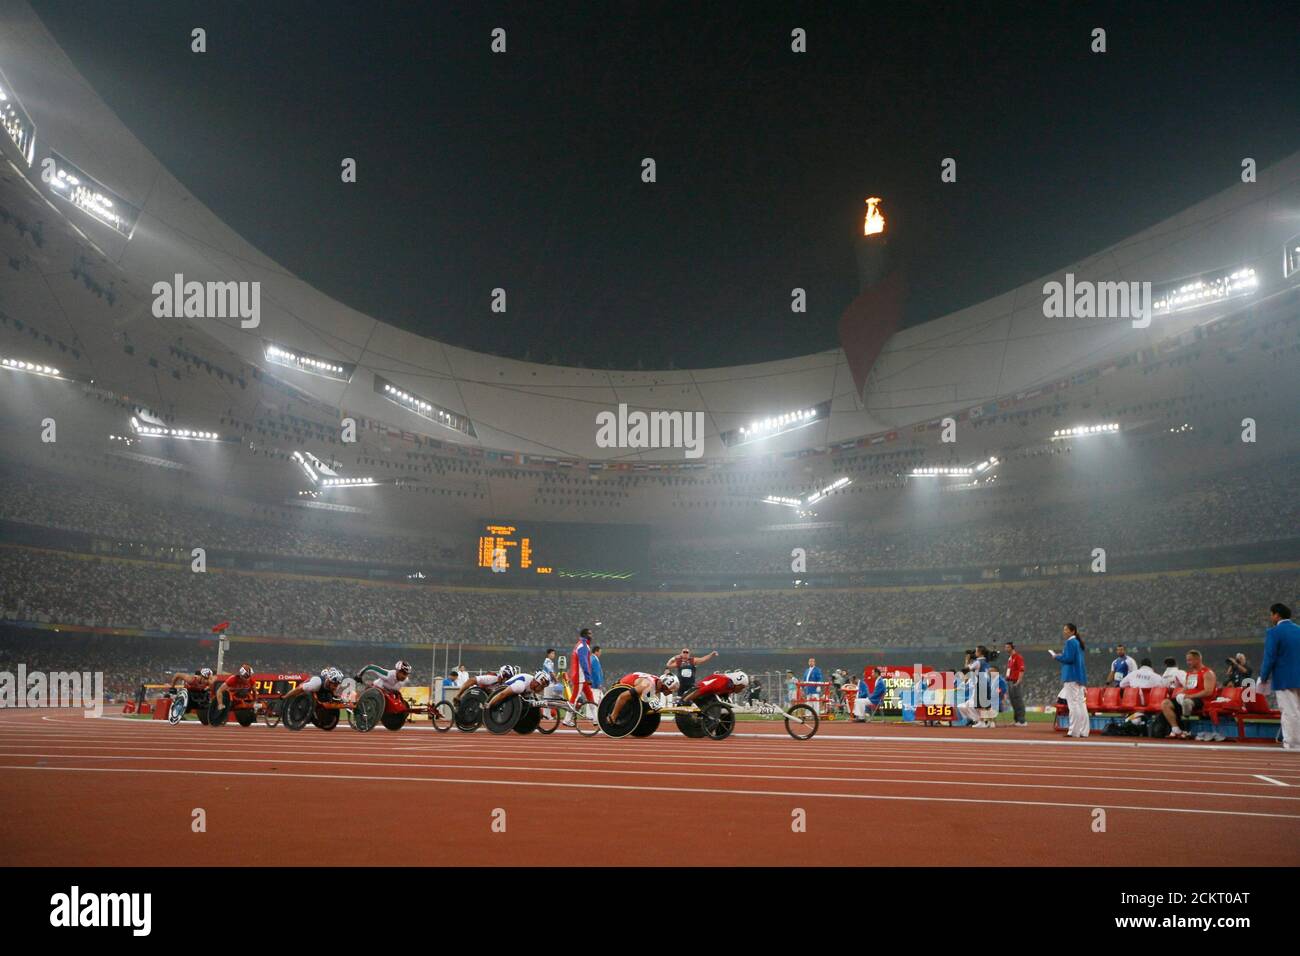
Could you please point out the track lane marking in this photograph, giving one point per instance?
(643, 789)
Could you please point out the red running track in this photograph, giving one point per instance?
(117, 791)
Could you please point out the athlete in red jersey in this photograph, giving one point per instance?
(719, 685)
(200, 680)
(239, 683)
(643, 684)
(1198, 687)
(197, 687)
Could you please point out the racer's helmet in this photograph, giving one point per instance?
(670, 682)
(543, 678)
(402, 667)
(331, 675)
(740, 679)
(506, 672)
(205, 671)
(245, 670)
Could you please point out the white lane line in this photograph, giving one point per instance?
(832, 737)
(710, 791)
(676, 773)
(548, 760)
(1271, 780)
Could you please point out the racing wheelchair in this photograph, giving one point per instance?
(377, 705)
(711, 716)
(524, 714)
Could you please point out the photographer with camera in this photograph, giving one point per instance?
(1238, 670)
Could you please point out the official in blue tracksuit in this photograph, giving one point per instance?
(813, 675)
(597, 673)
(1281, 669)
(868, 701)
(1074, 680)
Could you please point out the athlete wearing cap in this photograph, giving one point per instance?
(718, 684)
(390, 680)
(487, 681)
(240, 682)
(521, 684)
(324, 685)
(644, 685)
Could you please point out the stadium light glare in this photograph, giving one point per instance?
(18, 125)
(311, 364)
(774, 425)
(367, 482)
(426, 409)
(956, 471)
(35, 368)
(1085, 431)
(184, 434)
(96, 200)
(778, 500)
(1205, 290)
(836, 485)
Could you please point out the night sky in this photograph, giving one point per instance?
(523, 170)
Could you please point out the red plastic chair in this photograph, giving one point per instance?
(1109, 699)
(1131, 699)
(1155, 696)
(1093, 698)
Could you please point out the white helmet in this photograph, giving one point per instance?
(507, 671)
(205, 672)
(331, 675)
(670, 682)
(740, 679)
(402, 667)
(542, 677)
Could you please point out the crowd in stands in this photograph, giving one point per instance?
(1234, 509)
(1231, 509)
(108, 592)
(50, 500)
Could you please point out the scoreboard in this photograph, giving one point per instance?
(502, 547)
(558, 549)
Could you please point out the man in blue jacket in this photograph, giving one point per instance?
(813, 675)
(1074, 681)
(1281, 669)
(597, 673)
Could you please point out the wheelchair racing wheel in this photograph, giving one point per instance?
(690, 725)
(395, 720)
(718, 720)
(548, 719)
(217, 714)
(469, 710)
(648, 723)
(442, 716)
(369, 709)
(529, 720)
(296, 712)
(502, 718)
(630, 716)
(802, 722)
(271, 713)
(326, 718)
(180, 704)
(245, 717)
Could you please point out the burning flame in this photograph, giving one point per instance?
(874, 224)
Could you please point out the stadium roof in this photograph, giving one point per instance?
(996, 348)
